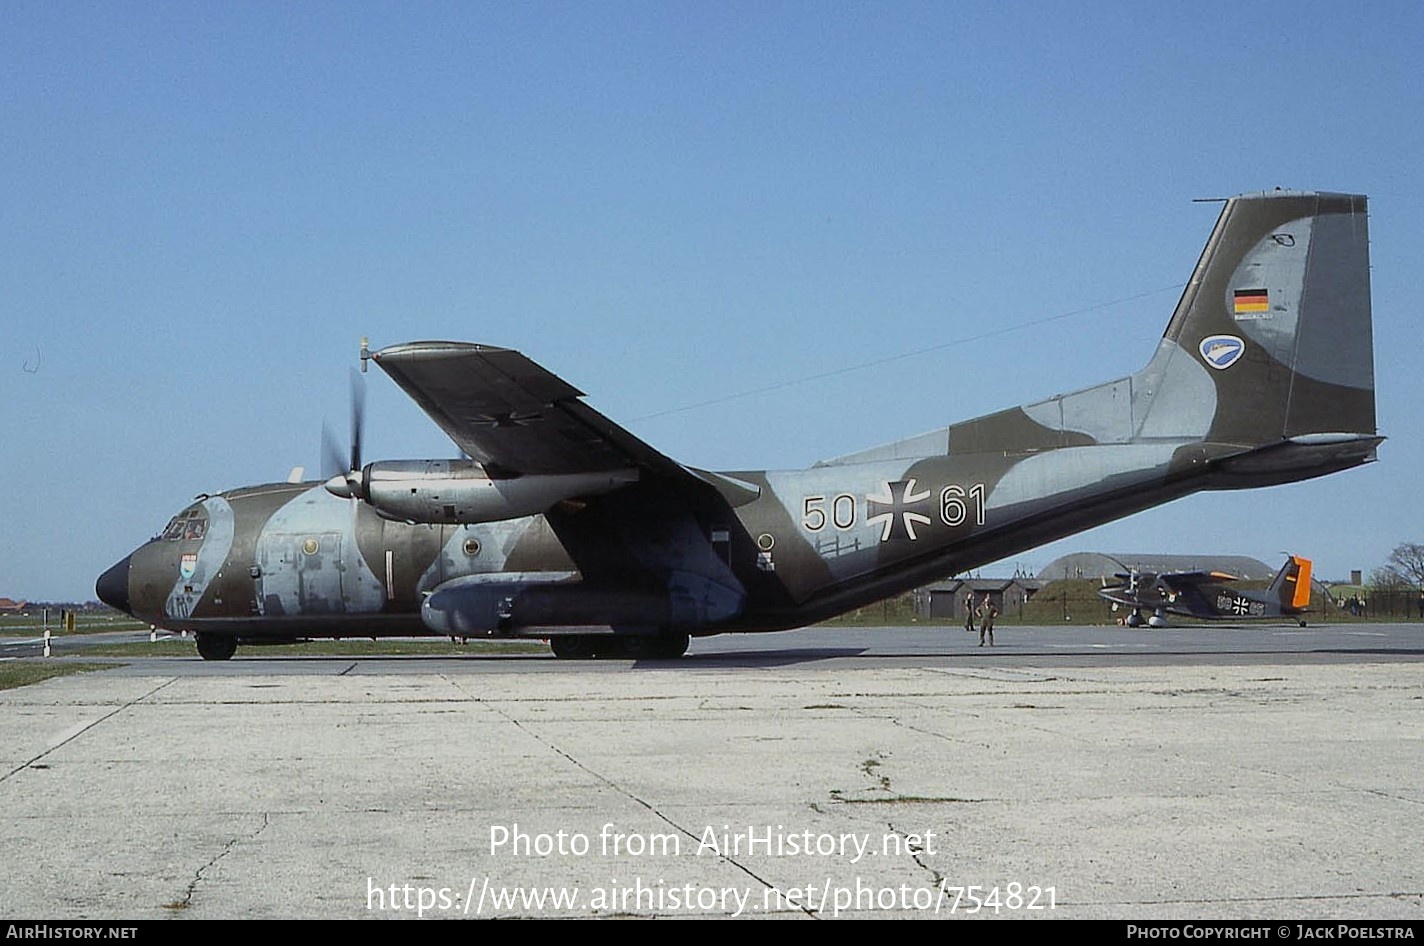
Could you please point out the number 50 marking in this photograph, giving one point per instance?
(813, 513)
(953, 509)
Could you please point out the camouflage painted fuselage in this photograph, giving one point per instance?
(285, 560)
(1264, 375)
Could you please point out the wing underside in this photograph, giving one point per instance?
(511, 415)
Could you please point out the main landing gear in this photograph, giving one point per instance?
(216, 646)
(591, 646)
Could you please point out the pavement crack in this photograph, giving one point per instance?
(183, 902)
(70, 735)
(1392, 796)
(690, 834)
(942, 736)
(917, 854)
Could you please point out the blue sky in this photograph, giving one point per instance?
(203, 207)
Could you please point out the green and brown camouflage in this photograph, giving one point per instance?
(563, 525)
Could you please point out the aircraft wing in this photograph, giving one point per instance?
(516, 418)
(1183, 579)
(511, 415)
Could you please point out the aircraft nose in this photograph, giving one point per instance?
(113, 586)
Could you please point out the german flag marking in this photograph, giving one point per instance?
(1251, 300)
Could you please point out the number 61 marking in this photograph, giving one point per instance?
(953, 509)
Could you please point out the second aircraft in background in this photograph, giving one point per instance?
(1208, 596)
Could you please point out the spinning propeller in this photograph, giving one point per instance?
(344, 478)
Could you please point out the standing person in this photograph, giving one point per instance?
(969, 610)
(987, 613)
(1421, 603)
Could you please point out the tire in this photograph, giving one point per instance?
(573, 647)
(669, 646)
(216, 646)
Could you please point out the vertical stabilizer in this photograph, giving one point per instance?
(1266, 366)
(1291, 586)
(1278, 314)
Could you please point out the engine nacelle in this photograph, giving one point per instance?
(460, 491)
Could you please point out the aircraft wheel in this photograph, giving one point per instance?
(670, 646)
(216, 646)
(1134, 620)
(573, 647)
(635, 647)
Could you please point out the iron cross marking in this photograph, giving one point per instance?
(899, 496)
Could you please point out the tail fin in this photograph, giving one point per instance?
(1264, 375)
(1270, 351)
(1279, 308)
(1291, 586)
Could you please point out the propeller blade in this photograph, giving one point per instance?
(333, 461)
(343, 478)
(358, 417)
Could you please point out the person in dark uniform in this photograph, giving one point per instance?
(969, 611)
(987, 613)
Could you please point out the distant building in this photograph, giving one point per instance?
(944, 600)
(10, 606)
(1098, 565)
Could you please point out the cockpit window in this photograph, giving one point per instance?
(188, 524)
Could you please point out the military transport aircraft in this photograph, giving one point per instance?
(562, 525)
(1206, 596)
